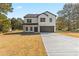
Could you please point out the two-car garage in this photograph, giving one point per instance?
(46, 28)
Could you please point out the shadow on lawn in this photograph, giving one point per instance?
(21, 33)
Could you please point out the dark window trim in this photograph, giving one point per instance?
(31, 28)
(26, 28)
(50, 19)
(42, 19)
(29, 20)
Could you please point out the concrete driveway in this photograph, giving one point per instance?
(60, 45)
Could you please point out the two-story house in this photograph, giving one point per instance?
(44, 22)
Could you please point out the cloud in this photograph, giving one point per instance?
(19, 7)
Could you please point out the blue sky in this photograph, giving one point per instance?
(21, 9)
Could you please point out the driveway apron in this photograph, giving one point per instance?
(60, 45)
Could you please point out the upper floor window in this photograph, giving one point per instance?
(50, 20)
(29, 20)
(42, 19)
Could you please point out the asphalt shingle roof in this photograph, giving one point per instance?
(36, 15)
(31, 16)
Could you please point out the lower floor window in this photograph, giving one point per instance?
(26, 28)
(31, 28)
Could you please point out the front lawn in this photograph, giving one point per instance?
(16, 44)
(73, 34)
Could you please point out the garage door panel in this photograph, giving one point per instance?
(46, 28)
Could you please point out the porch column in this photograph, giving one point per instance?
(39, 29)
(33, 28)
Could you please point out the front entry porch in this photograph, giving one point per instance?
(30, 28)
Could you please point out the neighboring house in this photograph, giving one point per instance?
(44, 22)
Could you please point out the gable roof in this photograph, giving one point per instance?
(36, 15)
(49, 13)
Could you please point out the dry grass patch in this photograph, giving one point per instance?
(73, 34)
(24, 45)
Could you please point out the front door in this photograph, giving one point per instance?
(35, 29)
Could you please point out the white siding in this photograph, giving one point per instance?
(47, 21)
(37, 20)
(34, 20)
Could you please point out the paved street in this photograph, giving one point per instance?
(60, 45)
